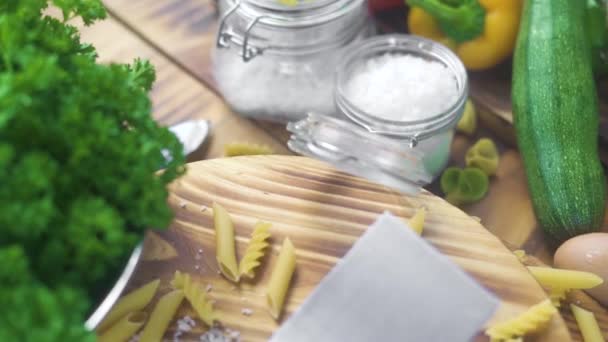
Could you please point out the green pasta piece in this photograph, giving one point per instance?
(464, 186)
(483, 155)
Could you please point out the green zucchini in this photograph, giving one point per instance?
(556, 118)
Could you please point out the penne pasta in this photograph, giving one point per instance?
(417, 221)
(255, 250)
(134, 301)
(161, 316)
(196, 295)
(531, 321)
(280, 278)
(587, 324)
(126, 327)
(246, 149)
(554, 278)
(224, 236)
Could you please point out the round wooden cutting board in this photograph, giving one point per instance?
(323, 211)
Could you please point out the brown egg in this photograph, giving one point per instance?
(588, 253)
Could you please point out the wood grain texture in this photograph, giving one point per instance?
(323, 212)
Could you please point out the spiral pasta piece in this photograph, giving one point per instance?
(196, 296)
(532, 320)
(255, 250)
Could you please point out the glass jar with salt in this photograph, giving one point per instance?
(400, 97)
(275, 60)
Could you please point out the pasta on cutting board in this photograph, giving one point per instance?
(564, 279)
(196, 296)
(417, 221)
(531, 321)
(281, 278)
(225, 249)
(255, 250)
(587, 324)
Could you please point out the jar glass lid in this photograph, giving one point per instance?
(355, 150)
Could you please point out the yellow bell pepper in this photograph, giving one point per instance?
(481, 32)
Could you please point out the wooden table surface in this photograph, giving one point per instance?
(177, 36)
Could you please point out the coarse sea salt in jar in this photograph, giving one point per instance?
(277, 62)
(400, 97)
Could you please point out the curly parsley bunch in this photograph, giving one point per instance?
(79, 154)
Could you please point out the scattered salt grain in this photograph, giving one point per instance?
(209, 288)
(203, 208)
(218, 272)
(235, 334)
(200, 251)
(403, 88)
(247, 311)
(213, 335)
(182, 204)
(196, 267)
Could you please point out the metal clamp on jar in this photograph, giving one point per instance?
(403, 154)
(276, 62)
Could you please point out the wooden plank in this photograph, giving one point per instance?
(183, 30)
(177, 96)
(322, 211)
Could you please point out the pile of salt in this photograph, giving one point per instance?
(408, 89)
(402, 88)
